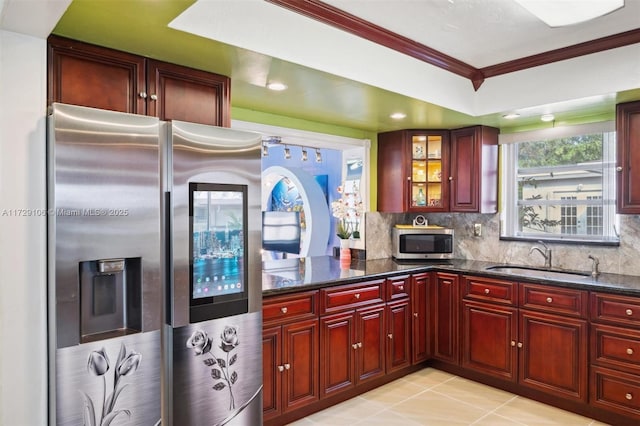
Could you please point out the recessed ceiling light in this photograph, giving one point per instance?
(398, 115)
(561, 13)
(511, 116)
(276, 86)
(547, 117)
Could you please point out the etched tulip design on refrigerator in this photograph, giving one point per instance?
(99, 365)
(221, 372)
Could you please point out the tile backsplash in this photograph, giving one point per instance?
(488, 247)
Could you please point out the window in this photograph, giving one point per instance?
(559, 185)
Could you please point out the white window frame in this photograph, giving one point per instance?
(509, 221)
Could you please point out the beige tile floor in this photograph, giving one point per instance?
(433, 397)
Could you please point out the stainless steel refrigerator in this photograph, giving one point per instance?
(154, 272)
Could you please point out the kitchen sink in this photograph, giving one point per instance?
(528, 271)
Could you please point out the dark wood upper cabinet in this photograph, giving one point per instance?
(438, 170)
(474, 170)
(92, 76)
(186, 94)
(99, 77)
(628, 153)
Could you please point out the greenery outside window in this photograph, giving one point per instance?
(559, 185)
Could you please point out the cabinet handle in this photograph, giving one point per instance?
(287, 366)
(390, 336)
(519, 344)
(154, 97)
(143, 95)
(629, 351)
(629, 312)
(619, 169)
(487, 291)
(357, 295)
(513, 343)
(354, 346)
(549, 300)
(415, 314)
(284, 309)
(629, 396)
(359, 344)
(280, 368)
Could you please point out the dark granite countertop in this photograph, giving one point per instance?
(295, 275)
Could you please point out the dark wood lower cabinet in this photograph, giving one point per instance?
(420, 347)
(529, 339)
(398, 335)
(338, 355)
(293, 383)
(489, 334)
(444, 317)
(553, 356)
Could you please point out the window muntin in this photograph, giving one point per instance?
(560, 189)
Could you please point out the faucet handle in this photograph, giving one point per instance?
(594, 266)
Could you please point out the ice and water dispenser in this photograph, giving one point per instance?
(110, 298)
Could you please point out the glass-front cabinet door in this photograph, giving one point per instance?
(428, 175)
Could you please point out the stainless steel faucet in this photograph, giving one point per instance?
(594, 266)
(546, 253)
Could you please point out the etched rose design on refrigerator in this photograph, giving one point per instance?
(221, 371)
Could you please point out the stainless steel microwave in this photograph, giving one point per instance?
(422, 242)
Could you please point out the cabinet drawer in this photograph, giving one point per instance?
(616, 347)
(350, 296)
(490, 290)
(554, 299)
(615, 391)
(623, 310)
(296, 307)
(397, 287)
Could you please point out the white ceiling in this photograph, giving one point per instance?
(484, 32)
(479, 32)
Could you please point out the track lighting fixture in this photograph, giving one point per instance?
(265, 150)
(318, 156)
(287, 152)
(305, 157)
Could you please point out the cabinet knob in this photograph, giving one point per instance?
(287, 366)
(357, 295)
(629, 351)
(450, 177)
(143, 95)
(619, 169)
(390, 336)
(154, 97)
(519, 344)
(359, 344)
(629, 396)
(629, 312)
(354, 346)
(549, 300)
(487, 291)
(513, 343)
(401, 288)
(415, 314)
(284, 309)
(280, 368)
